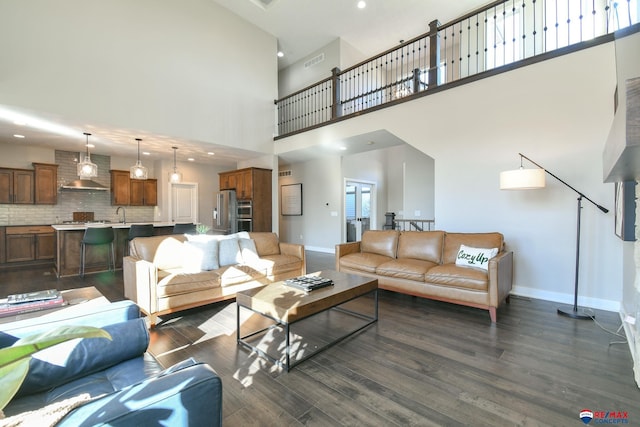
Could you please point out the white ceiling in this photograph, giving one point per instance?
(300, 26)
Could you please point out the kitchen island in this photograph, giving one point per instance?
(69, 236)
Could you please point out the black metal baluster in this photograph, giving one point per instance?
(524, 32)
(535, 28)
(568, 23)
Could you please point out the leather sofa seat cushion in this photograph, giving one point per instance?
(380, 242)
(411, 269)
(452, 242)
(276, 264)
(235, 274)
(175, 281)
(458, 277)
(97, 384)
(424, 245)
(266, 243)
(165, 252)
(363, 261)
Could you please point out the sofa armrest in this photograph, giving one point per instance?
(140, 283)
(296, 250)
(189, 396)
(500, 277)
(343, 249)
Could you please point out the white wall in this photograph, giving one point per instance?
(558, 112)
(185, 68)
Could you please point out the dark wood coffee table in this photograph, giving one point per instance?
(286, 305)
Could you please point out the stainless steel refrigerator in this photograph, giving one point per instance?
(224, 212)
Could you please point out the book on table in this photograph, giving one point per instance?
(308, 283)
(32, 301)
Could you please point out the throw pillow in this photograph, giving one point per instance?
(200, 253)
(229, 252)
(249, 251)
(475, 257)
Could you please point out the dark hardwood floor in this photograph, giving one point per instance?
(423, 363)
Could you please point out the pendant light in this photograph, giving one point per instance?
(175, 176)
(87, 169)
(138, 171)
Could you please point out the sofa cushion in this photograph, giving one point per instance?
(406, 268)
(458, 277)
(475, 257)
(239, 273)
(272, 265)
(452, 242)
(229, 252)
(380, 242)
(266, 243)
(249, 250)
(163, 251)
(73, 359)
(177, 281)
(199, 254)
(424, 245)
(363, 261)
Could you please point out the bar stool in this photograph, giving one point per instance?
(184, 229)
(137, 230)
(95, 236)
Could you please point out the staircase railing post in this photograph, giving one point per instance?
(434, 54)
(336, 108)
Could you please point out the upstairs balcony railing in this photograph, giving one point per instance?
(491, 38)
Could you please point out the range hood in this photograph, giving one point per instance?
(84, 184)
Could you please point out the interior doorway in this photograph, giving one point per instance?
(184, 202)
(359, 208)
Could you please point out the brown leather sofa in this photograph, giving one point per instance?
(423, 263)
(160, 275)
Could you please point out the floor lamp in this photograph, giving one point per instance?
(526, 179)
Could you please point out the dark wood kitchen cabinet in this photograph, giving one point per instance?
(133, 192)
(46, 183)
(29, 243)
(16, 186)
(252, 184)
(120, 187)
(144, 192)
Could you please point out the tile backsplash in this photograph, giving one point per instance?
(70, 201)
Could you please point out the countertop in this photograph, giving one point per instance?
(66, 227)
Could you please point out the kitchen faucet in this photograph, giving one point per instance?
(124, 214)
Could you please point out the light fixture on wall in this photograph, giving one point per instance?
(138, 171)
(86, 168)
(527, 179)
(175, 176)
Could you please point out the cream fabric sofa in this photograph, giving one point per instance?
(423, 263)
(164, 274)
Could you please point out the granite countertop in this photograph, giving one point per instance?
(63, 227)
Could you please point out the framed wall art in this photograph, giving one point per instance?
(291, 199)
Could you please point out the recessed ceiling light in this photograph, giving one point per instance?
(343, 148)
(18, 136)
(280, 54)
(146, 153)
(362, 4)
(211, 153)
(90, 146)
(191, 159)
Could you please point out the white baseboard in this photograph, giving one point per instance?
(562, 298)
(318, 249)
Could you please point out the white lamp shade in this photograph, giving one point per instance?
(522, 179)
